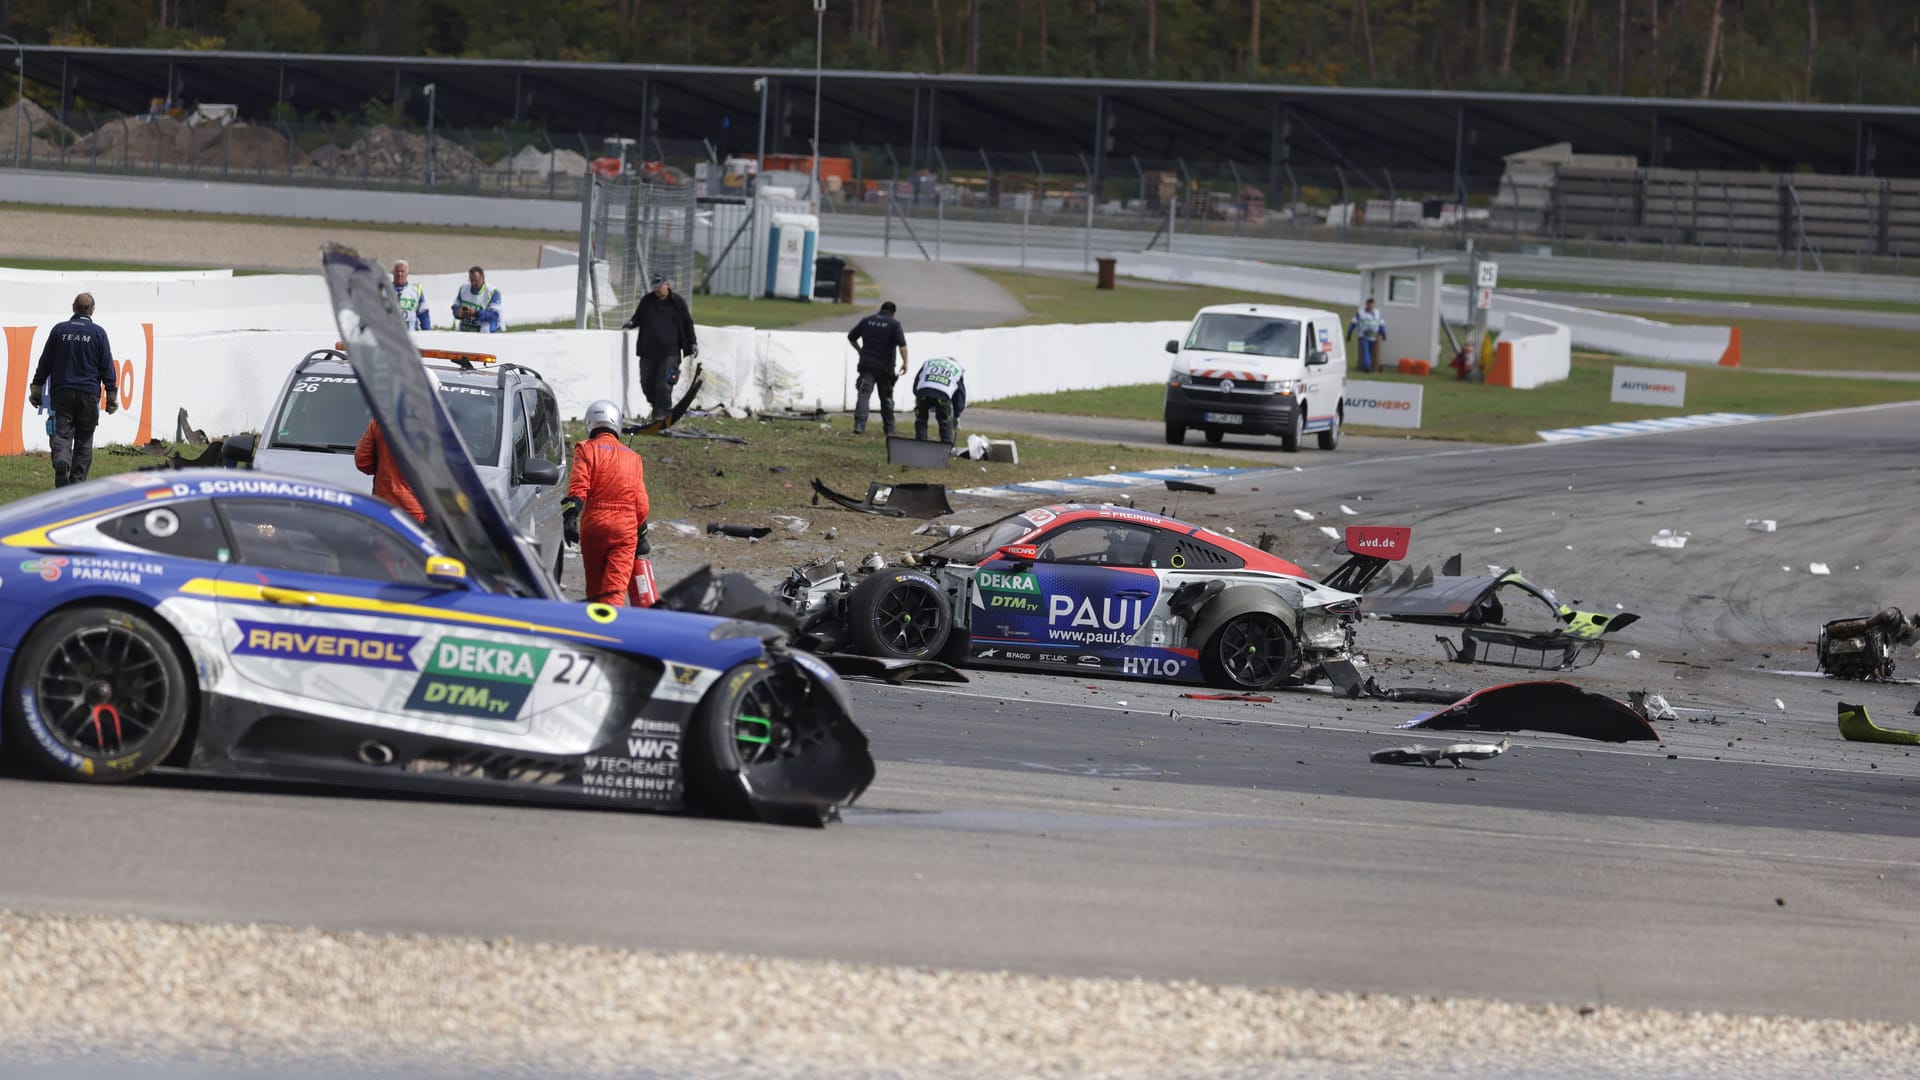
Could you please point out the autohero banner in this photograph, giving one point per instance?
(1649, 386)
(1384, 404)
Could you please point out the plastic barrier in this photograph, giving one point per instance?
(1531, 352)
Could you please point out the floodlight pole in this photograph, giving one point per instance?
(819, 33)
(20, 102)
(429, 93)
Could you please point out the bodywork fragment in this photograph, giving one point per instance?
(891, 500)
(1453, 754)
(1553, 650)
(1483, 600)
(1862, 648)
(1856, 726)
(1557, 707)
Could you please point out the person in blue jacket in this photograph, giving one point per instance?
(76, 364)
(1373, 331)
(410, 298)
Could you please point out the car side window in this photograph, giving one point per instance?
(549, 440)
(187, 530)
(1175, 552)
(1099, 543)
(520, 432)
(315, 539)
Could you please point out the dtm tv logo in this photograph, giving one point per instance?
(1112, 621)
(1008, 592)
(477, 678)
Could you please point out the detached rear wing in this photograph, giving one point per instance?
(1370, 548)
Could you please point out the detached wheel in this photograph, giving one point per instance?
(899, 614)
(1176, 434)
(1251, 652)
(1290, 438)
(1215, 436)
(1330, 438)
(751, 728)
(97, 694)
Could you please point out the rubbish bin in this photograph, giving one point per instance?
(826, 277)
(1106, 272)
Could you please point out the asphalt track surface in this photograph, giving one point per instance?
(1750, 861)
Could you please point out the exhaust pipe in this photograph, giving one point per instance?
(376, 753)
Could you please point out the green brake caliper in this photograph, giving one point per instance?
(741, 732)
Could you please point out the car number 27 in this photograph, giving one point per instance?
(574, 668)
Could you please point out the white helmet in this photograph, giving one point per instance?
(603, 415)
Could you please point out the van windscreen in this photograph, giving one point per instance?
(1258, 335)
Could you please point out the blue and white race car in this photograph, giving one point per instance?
(241, 623)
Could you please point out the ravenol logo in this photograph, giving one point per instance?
(477, 678)
(360, 648)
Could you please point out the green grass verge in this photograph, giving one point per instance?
(765, 314)
(1464, 411)
(685, 477)
(1072, 298)
(1766, 343)
(569, 238)
(85, 266)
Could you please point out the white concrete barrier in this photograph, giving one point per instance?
(1531, 352)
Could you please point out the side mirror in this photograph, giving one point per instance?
(1023, 554)
(539, 472)
(446, 572)
(1173, 347)
(237, 452)
(1316, 359)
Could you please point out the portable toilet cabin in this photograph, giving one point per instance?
(792, 242)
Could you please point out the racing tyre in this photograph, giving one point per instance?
(1330, 438)
(753, 726)
(1251, 652)
(1215, 436)
(1290, 439)
(1176, 434)
(96, 694)
(899, 614)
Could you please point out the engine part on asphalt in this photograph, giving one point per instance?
(1423, 694)
(742, 532)
(891, 500)
(1856, 726)
(1549, 651)
(1557, 707)
(732, 596)
(1344, 676)
(891, 670)
(1453, 754)
(1651, 706)
(1476, 600)
(1188, 485)
(1862, 648)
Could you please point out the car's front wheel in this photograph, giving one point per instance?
(899, 614)
(1251, 652)
(1290, 438)
(96, 694)
(1215, 436)
(1176, 434)
(1330, 438)
(753, 731)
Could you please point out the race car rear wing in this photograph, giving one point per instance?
(1369, 548)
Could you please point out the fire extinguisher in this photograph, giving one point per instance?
(641, 590)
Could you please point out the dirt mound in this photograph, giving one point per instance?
(389, 152)
(41, 128)
(167, 141)
(533, 161)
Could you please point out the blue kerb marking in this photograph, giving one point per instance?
(1643, 427)
(1113, 481)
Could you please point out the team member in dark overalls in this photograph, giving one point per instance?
(78, 363)
(876, 336)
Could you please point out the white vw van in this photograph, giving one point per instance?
(1259, 369)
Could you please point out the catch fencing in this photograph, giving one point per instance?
(634, 228)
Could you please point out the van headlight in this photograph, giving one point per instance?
(1179, 378)
(1282, 387)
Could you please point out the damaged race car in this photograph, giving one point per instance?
(1098, 589)
(242, 623)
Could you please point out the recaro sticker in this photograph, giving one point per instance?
(482, 679)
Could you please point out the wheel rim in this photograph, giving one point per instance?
(907, 619)
(103, 690)
(774, 720)
(1254, 652)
